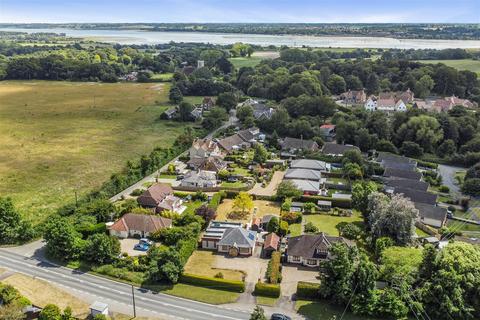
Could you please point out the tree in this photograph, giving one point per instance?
(175, 96)
(227, 100)
(350, 231)
(215, 118)
(411, 149)
(372, 85)
(208, 214)
(472, 186)
(185, 111)
(353, 156)
(260, 154)
(63, 241)
(12, 227)
(452, 278)
(50, 312)
(360, 193)
(423, 86)
(244, 112)
(287, 189)
(102, 209)
(424, 130)
(273, 225)
(101, 248)
(258, 314)
(447, 148)
(243, 202)
(336, 84)
(283, 229)
(394, 218)
(165, 264)
(353, 171)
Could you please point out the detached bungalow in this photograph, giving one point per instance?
(310, 249)
(294, 145)
(141, 225)
(200, 179)
(310, 164)
(160, 197)
(335, 149)
(237, 241)
(431, 215)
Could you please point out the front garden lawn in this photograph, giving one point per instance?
(201, 294)
(263, 208)
(321, 310)
(295, 229)
(266, 301)
(329, 223)
(192, 206)
(201, 262)
(236, 184)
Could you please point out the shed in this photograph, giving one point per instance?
(271, 244)
(98, 308)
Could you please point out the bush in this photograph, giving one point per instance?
(217, 199)
(137, 192)
(350, 231)
(267, 290)
(207, 282)
(274, 268)
(218, 275)
(308, 290)
(427, 164)
(292, 217)
(310, 228)
(444, 189)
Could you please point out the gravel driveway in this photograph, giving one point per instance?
(271, 188)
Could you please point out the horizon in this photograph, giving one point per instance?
(248, 11)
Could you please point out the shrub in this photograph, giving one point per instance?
(308, 290)
(310, 228)
(274, 268)
(136, 192)
(267, 290)
(218, 275)
(444, 189)
(207, 282)
(350, 231)
(292, 217)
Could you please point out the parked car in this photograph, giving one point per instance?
(141, 247)
(279, 316)
(146, 241)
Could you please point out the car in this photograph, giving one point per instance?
(141, 247)
(146, 241)
(279, 316)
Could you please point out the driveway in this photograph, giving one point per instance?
(271, 188)
(126, 246)
(291, 275)
(253, 266)
(448, 176)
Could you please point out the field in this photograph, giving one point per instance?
(320, 310)
(254, 60)
(58, 138)
(464, 64)
(201, 262)
(42, 293)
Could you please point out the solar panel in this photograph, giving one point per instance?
(251, 236)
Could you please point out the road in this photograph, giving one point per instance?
(448, 177)
(162, 305)
(151, 178)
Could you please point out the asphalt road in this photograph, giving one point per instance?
(164, 306)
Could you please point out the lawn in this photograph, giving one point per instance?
(328, 223)
(263, 208)
(321, 310)
(41, 293)
(421, 233)
(201, 294)
(295, 229)
(193, 99)
(58, 138)
(245, 61)
(464, 64)
(266, 301)
(162, 77)
(236, 184)
(201, 262)
(192, 206)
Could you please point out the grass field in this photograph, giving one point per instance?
(321, 310)
(329, 224)
(464, 64)
(201, 262)
(41, 293)
(60, 137)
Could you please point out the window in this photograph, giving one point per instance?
(311, 262)
(225, 248)
(244, 250)
(296, 258)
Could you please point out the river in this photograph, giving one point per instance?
(158, 37)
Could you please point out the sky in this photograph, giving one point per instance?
(309, 11)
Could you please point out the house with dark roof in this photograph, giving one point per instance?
(169, 114)
(294, 145)
(417, 196)
(335, 149)
(431, 215)
(241, 140)
(141, 225)
(260, 109)
(402, 174)
(207, 164)
(392, 183)
(310, 164)
(200, 179)
(214, 233)
(308, 187)
(387, 156)
(159, 197)
(311, 249)
(304, 174)
(237, 242)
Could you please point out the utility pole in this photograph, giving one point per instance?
(133, 298)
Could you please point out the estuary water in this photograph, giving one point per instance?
(159, 37)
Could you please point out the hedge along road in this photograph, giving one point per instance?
(114, 293)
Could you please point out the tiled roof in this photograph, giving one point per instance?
(141, 222)
(337, 149)
(431, 212)
(271, 241)
(404, 174)
(239, 237)
(155, 194)
(417, 195)
(294, 143)
(306, 246)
